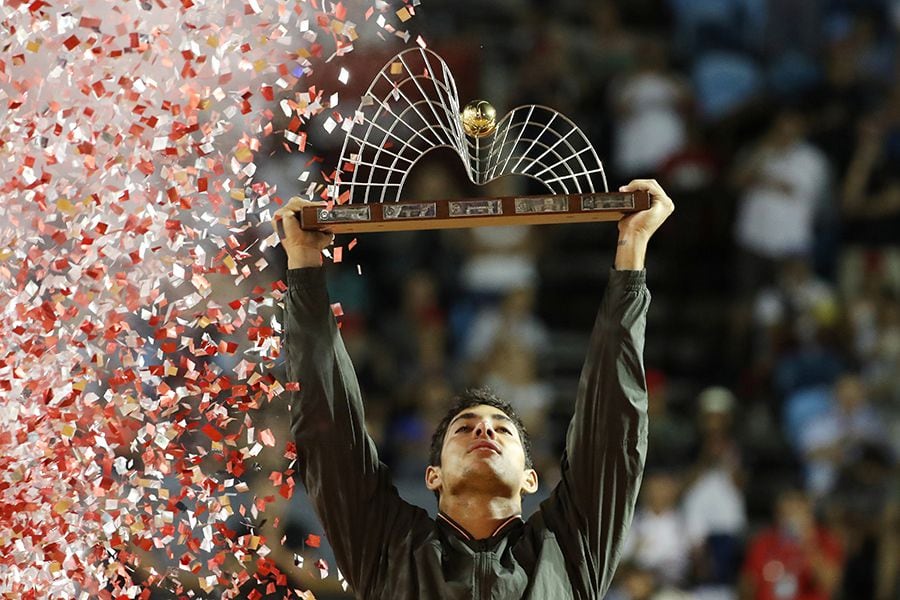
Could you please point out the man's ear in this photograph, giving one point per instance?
(530, 482)
(433, 479)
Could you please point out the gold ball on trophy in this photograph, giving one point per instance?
(479, 118)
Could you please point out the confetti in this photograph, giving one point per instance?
(138, 334)
(267, 437)
(130, 205)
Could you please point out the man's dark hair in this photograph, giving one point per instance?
(468, 399)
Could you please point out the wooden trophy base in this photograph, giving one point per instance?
(474, 212)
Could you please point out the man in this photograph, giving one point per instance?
(794, 558)
(479, 546)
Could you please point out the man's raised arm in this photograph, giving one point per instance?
(338, 462)
(606, 444)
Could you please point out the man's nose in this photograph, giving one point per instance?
(484, 429)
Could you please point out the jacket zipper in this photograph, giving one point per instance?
(482, 572)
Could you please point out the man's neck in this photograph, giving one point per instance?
(479, 515)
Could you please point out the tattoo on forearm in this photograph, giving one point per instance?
(623, 242)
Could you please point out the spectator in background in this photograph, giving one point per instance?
(793, 559)
(608, 48)
(713, 504)
(416, 333)
(795, 321)
(502, 259)
(793, 26)
(837, 103)
(782, 181)
(833, 438)
(704, 24)
(514, 318)
(408, 434)
(658, 539)
(874, 316)
(861, 508)
(635, 582)
(871, 188)
(605, 49)
(649, 104)
(549, 74)
(695, 168)
(796, 307)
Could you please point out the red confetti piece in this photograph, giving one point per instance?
(89, 22)
(267, 437)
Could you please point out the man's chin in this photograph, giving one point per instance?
(487, 472)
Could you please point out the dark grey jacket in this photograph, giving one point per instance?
(389, 549)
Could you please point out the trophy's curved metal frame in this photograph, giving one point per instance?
(412, 107)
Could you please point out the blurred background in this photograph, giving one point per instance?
(773, 342)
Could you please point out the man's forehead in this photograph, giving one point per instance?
(481, 411)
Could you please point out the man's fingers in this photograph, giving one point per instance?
(290, 224)
(291, 231)
(296, 203)
(287, 226)
(286, 221)
(650, 185)
(319, 239)
(658, 196)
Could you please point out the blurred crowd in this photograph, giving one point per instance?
(773, 349)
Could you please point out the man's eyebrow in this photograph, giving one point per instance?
(471, 415)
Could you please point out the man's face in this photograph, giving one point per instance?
(661, 492)
(482, 453)
(794, 513)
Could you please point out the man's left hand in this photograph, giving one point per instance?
(636, 229)
(642, 225)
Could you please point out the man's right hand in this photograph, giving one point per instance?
(303, 247)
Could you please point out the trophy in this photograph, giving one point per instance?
(412, 107)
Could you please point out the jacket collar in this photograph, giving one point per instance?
(461, 531)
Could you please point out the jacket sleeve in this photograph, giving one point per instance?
(351, 489)
(606, 445)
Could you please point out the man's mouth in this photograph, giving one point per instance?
(485, 446)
